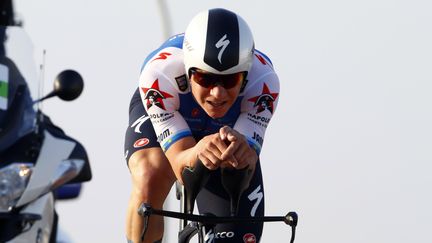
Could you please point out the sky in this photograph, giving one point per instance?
(348, 149)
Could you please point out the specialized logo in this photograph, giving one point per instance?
(258, 196)
(209, 237)
(138, 123)
(265, 100)
(141, 142)
(249, 238)
(162, 56)
(155, 96)
(222, 43)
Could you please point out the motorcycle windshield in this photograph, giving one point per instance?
(18, 84)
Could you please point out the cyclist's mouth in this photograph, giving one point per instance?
(216, 104)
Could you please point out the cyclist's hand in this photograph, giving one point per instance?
(209, 150)
(238, 149)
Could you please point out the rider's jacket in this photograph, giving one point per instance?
(167, 98)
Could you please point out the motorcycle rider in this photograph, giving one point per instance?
(206, 95)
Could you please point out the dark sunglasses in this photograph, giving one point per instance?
(210, 80)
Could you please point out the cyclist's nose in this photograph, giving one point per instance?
(218, 91)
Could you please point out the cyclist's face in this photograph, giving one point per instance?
(213, 95)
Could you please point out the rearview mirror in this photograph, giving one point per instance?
(68, 86)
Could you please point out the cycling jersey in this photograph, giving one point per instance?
(167, 98)
(163, 110)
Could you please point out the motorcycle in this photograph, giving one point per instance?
(39, 163)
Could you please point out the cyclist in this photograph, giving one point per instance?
(205, 95)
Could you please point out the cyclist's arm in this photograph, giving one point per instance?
(186, 152)
(160, 97)
(261, 96)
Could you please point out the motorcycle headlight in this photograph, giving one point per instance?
(13, 181)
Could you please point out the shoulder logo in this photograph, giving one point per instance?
(162, 56)
(265, 100)
(223, 42)
(155, 96)
(182, 82)
(261, 59)
(138, 123)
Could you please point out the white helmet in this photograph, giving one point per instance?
(218, 41)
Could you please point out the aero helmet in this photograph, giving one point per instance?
(218, 41)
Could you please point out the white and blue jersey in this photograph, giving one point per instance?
(167, 98)
(163, 111)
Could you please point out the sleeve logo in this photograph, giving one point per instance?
(265, 100)
(155, 96)
(261, 59)
(162, 56)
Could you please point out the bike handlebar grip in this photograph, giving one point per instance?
(235, 183)
(145, 209)
(193, 180)
(291, 219)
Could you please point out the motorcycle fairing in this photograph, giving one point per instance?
(41, 229)
(54, 150)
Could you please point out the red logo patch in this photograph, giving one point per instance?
(265, 100)
(249, 238)
(261, 59)
(162, 56)
(141, 142)
(155, 96)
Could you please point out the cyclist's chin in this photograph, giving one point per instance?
(216, 112)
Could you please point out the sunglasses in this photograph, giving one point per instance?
(210, 80)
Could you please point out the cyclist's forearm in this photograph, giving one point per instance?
(180, 155)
